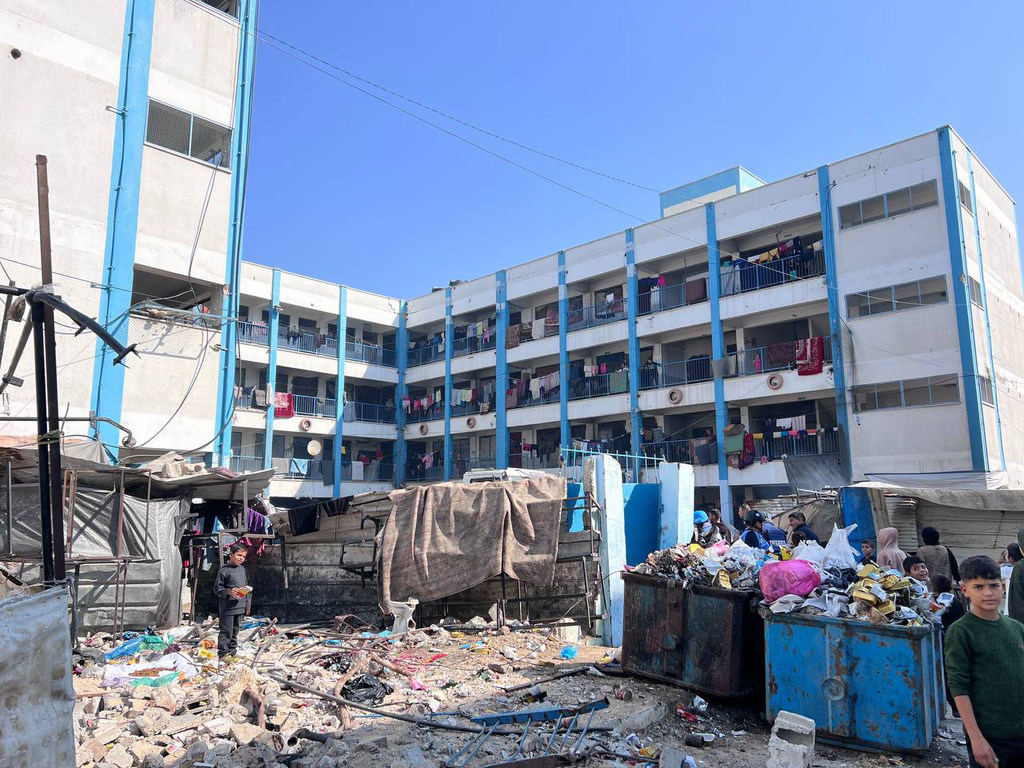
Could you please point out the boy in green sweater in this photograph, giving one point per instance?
(985, 670)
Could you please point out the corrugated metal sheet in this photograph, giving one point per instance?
(35, 679)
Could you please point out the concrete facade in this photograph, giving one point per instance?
(656, 337)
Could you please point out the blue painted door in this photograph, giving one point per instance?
(642, 503)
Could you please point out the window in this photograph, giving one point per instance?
(897, 298)
(988, 395)
(932, 390)
(229, 7)
(966, 200)
(188, 134)
(975, 290)
(890, 204)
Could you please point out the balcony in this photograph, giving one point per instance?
(369, 412)
(246, 464)
(436, 411)
(311, 405)
(673, 451)
(673, 296)
(812, 442)
(742, 276)
(361, 472)
(426, 354)
(514, 400)
(676, 373)
(318, 470)
(470, 345)
(254, 333)
(598, 314)
(599, 385)
(465, 409)
(783, 356)
(370, 354)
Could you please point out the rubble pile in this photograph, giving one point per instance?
(721, 565)
(318, 697)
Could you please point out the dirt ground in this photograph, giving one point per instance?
(444, 677)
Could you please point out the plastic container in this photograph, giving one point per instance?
(703, 638)
(866, 686)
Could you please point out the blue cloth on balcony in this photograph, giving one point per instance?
(298, 466)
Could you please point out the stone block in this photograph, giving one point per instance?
(642, 719)
(245, 734)
(165, 699)
(119, 756)
(153, 721)
(107, 732)
(219, 726)
(140, 750)
(792, 741)
(113, 701)
(90, 751)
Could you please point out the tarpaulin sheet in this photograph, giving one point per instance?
(150, 534)
(36, 726)
(815, 473)
(964, 481)
(444, 538)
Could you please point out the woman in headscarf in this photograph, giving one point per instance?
(1015, 601)
(889, 554)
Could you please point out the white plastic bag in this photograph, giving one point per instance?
(838, 552)
(810, 551)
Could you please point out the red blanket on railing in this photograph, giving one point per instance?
(284, 407)
(810, 354)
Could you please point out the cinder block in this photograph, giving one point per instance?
(792, 741)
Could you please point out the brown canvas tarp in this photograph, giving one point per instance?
(444, 538)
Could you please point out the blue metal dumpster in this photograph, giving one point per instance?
(875, 687)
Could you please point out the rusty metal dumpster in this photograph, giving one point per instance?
(707, 639)
(865, 685)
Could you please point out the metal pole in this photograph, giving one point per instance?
(45, 506)
(10, 509)
(50, 345)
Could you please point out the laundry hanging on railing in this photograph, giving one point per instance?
(284, 405)
(810, 356)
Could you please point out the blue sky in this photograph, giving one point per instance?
(344, 188)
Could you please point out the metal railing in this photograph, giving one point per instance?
(824, 441)
(254, 333)
(672, 451)
(597, 314)
(370, 353)
(310, 343)
(470, 345)
(465, 409)
(667, 297)
(244, 400)
(527, 460)
(599, 386)
(432, 413)
(311, 405)
(374, 472)
(370, 412)
(425, 355)
(528, 400)
(302, 469)
(676, 373)
(773, 357)
(635, 469)
(743, 276)
(245, 464)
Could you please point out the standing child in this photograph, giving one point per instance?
(231, 592)
(985, 670)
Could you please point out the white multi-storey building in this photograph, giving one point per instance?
(860, 315)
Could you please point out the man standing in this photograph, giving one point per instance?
(798, 522)
(232, 592)
(937, 557)
(1015, 602)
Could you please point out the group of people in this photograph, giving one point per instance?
(758, 532)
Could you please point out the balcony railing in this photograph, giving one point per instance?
(374, 472)
(303, 469)
(635, 469)
(253, 333)
(598, 314)
(742, 276)
(528, 399)
(673, 451)
(470, 345)
(432, 413)
(676, 373)
(311, 405)
(465, 409)
(599, 386)
(673, 296)
(244, 464)
(425, 355)
(823, 441)
(370, 412)
(773, 357)
(370, 354)
(311, 343)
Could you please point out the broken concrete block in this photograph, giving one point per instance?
(245, 734)
(219, 726)
(644, 718)
(91, 705)
(90, 751)
(153, 721)
(119, 757)
(153, 761)
(165, 699)
(107, 732)
(234, 683)
(792, 741)
(113, 701)
(140, 750)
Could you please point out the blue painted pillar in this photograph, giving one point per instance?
(123, 213)
(501, 442)
(565, 434)
(339, 386)
(962, 301)
(835, 318)
(636, 422)
(402, 391)
(988, 322)
(273, 332)
(449, 341)
(247, 13)
(718, 353)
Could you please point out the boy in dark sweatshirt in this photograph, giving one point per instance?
(232, 592)
(985, 670)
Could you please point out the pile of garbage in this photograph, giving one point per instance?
(721, 565)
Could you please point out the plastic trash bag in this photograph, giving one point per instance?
(366, 689)
(811, 551)
(136, 645)
(838, 552)
(789, 577)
